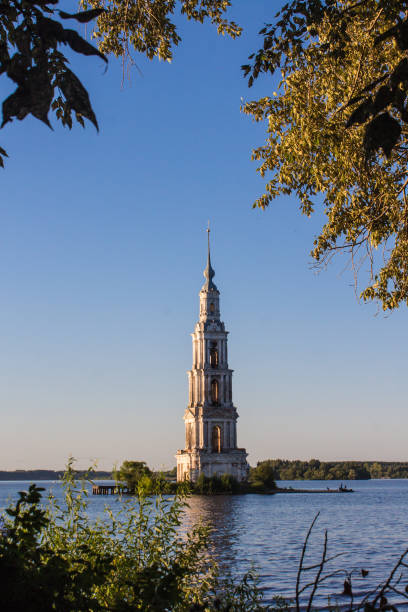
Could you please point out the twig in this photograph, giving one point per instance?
(325, 577)
(398, 592)
(390, 577)
(322, 563)
(302, 556)
(310, 567)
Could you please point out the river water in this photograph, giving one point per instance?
(370, 528)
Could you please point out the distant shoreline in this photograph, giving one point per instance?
(314, 469)
(48, 475)
(327, 490)
(283, 470)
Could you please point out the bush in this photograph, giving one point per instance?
(263, 476)
(130, 472)
(135, 559)
(207, 485)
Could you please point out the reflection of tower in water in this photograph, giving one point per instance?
(220, 513)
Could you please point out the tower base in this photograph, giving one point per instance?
(192, 463)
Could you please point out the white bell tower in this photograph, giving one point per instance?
(210, 418)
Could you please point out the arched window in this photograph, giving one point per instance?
(214, 391)
(213, 355)
(189, 436)
(216, 439)
(212, 307)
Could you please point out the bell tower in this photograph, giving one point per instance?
(211, 418)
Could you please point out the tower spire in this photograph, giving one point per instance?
(209, 272)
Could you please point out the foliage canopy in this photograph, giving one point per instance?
(32, 39)
(148, 27)
(337, 130)
(31, 57)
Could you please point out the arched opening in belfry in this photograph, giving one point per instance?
(213, 355)
(214, 391)
(216, 439)
(212, 308)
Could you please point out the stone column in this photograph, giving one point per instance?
(203, 385)
(201, 439)
(202, 351)
(195, 393)
(196, 434)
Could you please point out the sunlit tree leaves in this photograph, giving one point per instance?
(337, 130)
(148, 27)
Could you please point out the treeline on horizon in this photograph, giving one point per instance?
(48, 474)
(314, 469)
(283, 469)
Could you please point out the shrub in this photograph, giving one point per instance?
(263, 475)
(207, 485)
(134, 559)
(229, 484)
(130, 472)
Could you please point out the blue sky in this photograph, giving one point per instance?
(102, 248)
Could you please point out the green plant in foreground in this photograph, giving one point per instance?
(38, 576)
(137, 557)
(140, 558)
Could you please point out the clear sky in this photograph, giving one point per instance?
(102, 248)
